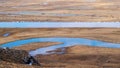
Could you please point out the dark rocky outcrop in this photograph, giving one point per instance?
(17, 56)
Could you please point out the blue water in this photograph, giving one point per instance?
(66, 43)
(59, 24)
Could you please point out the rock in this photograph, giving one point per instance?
(17, 56)
(31, 60)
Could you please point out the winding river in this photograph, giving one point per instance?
(66, 42)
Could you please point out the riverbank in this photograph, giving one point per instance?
(80, 56)
(60, 10)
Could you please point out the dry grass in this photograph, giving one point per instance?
(33, 46)
(60, 10)
(83, 50)
(103, 34)
(84, 57)
(4, 64)
(76, 56)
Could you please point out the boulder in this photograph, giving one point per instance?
(17, 56)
